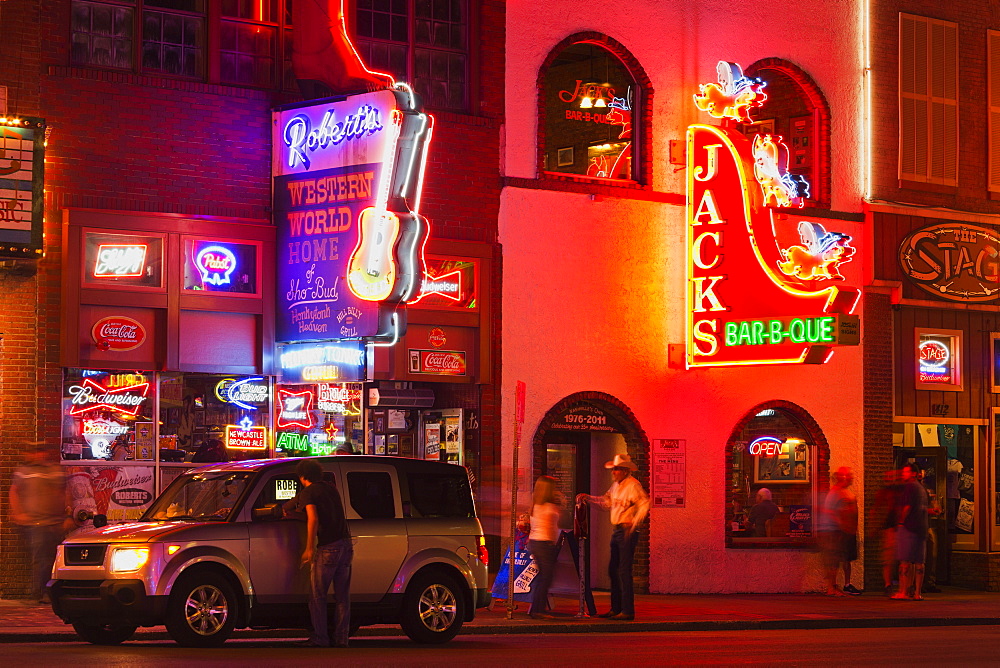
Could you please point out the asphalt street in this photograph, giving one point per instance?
(924, 646)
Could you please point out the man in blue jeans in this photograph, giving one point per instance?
(629, 505)
(328, 552)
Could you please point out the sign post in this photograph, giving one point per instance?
(518, 422)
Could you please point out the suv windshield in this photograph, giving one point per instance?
(208, 497)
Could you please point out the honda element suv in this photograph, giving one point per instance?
(215, 553)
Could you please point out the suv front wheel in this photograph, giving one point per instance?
(433, 609)
(202, 610)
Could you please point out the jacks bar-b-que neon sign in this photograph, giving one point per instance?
(763, 285)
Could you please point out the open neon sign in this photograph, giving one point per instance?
(120, 260)
(766, 446)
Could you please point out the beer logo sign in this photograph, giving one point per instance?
(118, 332)
(953, 261)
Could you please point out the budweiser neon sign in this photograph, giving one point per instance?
(90, 396)
(120, 260)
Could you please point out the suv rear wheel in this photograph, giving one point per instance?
(202, 610)
(433, 609)
(104, 634)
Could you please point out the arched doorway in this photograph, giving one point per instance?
(572, 443)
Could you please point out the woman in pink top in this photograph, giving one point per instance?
(542, 541)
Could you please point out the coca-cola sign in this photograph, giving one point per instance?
(118, 332)
(443, 362)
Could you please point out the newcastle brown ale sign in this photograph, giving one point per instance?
(118, 332)
(953, 261)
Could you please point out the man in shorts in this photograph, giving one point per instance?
(838, 532)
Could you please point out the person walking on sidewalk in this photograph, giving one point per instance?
(629, 505)
(911, 534)
(884, 512)
(38, 506)
(838, 532)
(542, 542)
(328, 552)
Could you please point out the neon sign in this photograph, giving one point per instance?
(768, 446)
(934, 362)
(449, 286)
(760, 282)
(90, 396)
(338, 399)
(243, 392)
(295, 408)
(120, 260)
(245, 436)
(301, 138)
(216, 264)
(292, 442)
(341, 362)
(733, 97)
(337, 264)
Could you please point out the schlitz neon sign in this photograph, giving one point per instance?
(760, 281)
(120, 260)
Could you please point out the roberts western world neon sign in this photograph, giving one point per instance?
(764, 281)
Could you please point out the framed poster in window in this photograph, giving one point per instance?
(776, 460)
(995, 361)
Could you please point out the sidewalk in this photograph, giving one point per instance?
(654, 612)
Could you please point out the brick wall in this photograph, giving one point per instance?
(878, 411)
(121, 141)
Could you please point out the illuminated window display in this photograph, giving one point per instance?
(318, 419)
(217, 266)
(938, 360)
(123, 260)
(108, 416)
(589, 98)
(774, 468)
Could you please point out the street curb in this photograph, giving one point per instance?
(566, 628)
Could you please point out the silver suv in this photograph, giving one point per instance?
(214, 553)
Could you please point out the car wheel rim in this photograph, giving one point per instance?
(438, 608)
(206, 610)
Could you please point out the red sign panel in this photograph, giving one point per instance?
(118, 332)
(246, 438)
(441, 362)
(760, 282)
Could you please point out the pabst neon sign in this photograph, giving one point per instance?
(90, 396)
(215, 264)
(763, 284)
(118, 332)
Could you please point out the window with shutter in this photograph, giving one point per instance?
(928, 100)
(993, 64)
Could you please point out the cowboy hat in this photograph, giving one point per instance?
(621, 460)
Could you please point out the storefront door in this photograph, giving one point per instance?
(933, 462)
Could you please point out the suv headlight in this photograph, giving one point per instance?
(127, 559)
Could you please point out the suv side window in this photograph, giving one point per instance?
(441, 495)
(278, 489)
(371, 494)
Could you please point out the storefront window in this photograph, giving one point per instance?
(318, 419)
(123, 260)
(589, 98)
(773, 475)
(215, 266)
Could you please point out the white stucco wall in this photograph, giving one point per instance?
(593, 288)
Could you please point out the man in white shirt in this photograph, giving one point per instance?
(629, 505)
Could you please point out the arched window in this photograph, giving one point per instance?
(797, 111)
(590, 111)
(777, 469)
